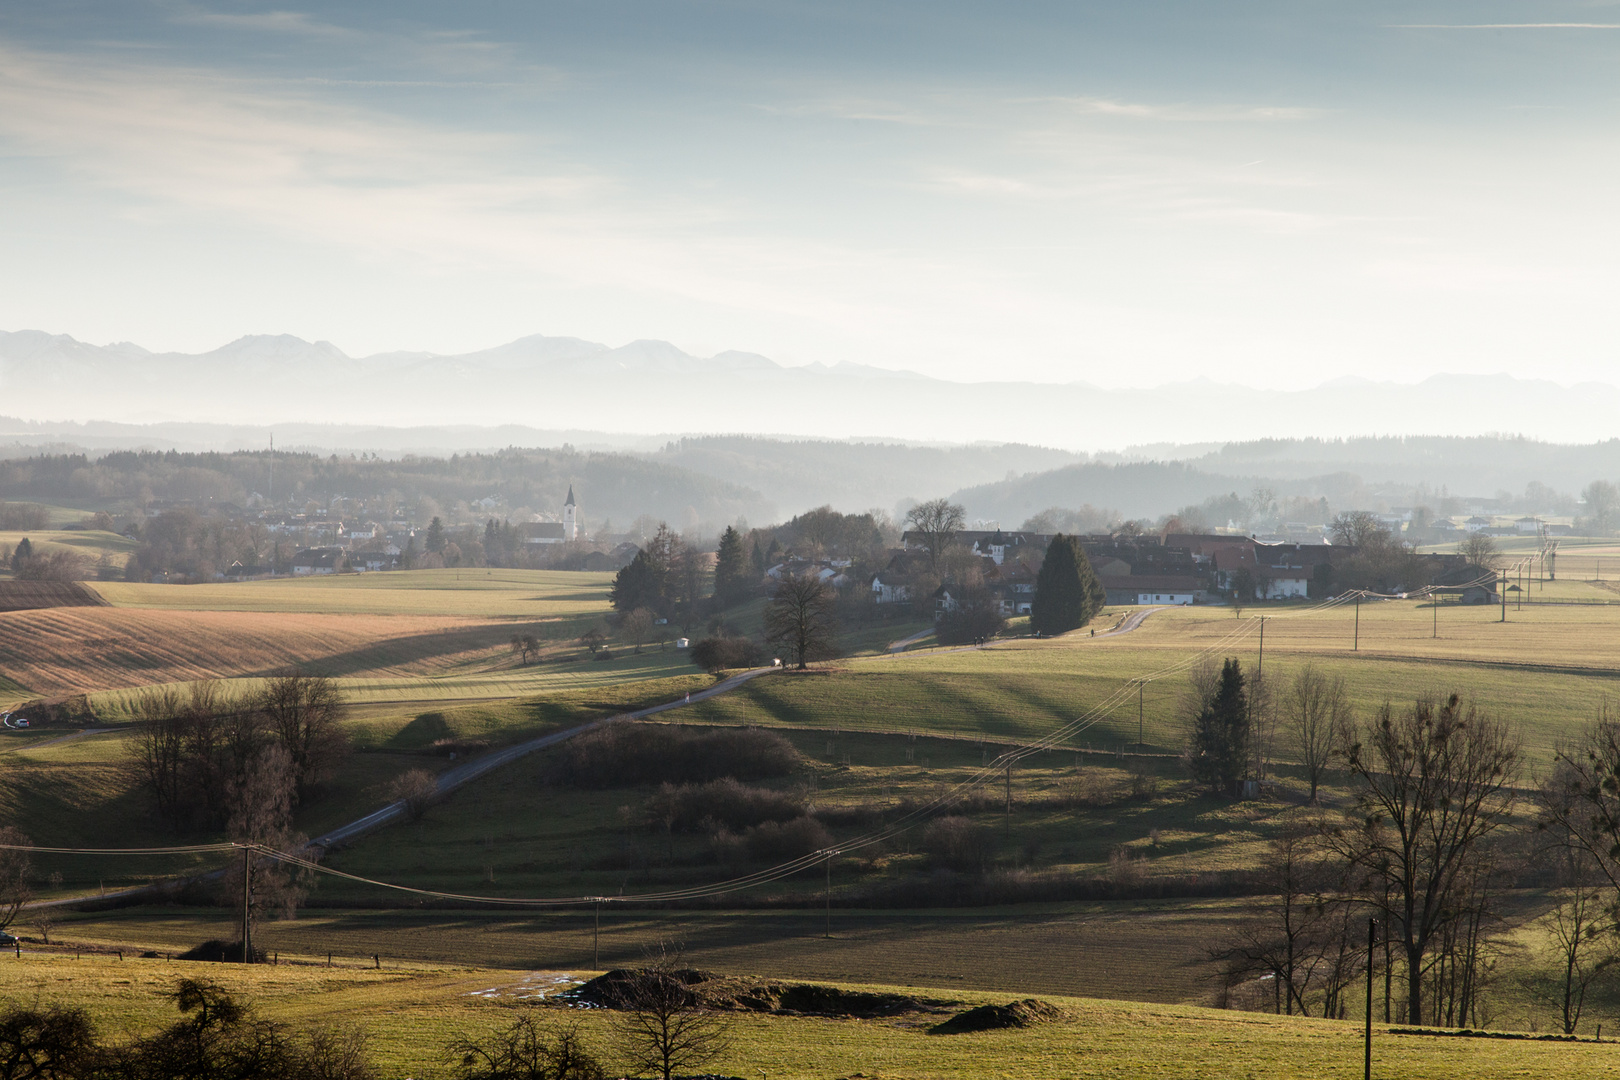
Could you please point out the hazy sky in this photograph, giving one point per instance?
(1122, 193)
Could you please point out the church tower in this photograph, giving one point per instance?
(570, 518)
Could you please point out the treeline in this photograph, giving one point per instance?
(208, 760)
(617, 486)
(1437, 831)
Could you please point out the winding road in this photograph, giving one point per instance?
(459, 775)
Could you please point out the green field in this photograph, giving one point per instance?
(411, 1012)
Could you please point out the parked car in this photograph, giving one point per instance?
(20, 723)
(7, 940)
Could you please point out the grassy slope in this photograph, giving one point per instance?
(1548, 669)
(411, 1013)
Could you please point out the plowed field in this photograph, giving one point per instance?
(79, 650)
(33, 595)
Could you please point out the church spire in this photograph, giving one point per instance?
(570, 500)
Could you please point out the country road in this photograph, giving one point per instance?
(458, 775)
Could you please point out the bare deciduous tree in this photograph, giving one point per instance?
(802, 617)
(1479, 551)
(16, 874)
(637, 626)
(304, 714)
(1317, 714)
(416, 788)
(1436, 781)
(664, 1026)
(527, 1050)
(262, 816)
(936, 523)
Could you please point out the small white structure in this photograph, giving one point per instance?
(682, 643)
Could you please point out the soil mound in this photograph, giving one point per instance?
(618, 989)
(1016, 1014)
(221, 952)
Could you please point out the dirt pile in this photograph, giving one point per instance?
(1016, 1014)
(619, 988)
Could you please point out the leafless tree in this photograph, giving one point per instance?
(1580, 799)
(416, 788)
(802, 617)
(16, 874)
(664, 1026)
(304, 713)
(1436, 782)
(157, 752)
(1479, 551)
(1316, 712)
(637, 626)
(527, 1050)
(263, 817)
(936, 522)
(1358, 528)
(1296, 935)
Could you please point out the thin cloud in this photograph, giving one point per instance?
(1504, 26)
(279, 22)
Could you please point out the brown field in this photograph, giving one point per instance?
(33, 595)
(82, 650)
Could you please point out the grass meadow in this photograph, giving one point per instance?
(410, 1012)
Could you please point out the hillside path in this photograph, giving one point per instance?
(458, 775)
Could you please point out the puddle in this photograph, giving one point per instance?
(535, 986)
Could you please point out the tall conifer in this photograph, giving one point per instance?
(1067, 592)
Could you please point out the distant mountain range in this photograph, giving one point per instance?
(565, 386)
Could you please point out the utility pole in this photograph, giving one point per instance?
(1260, 665)
(1434, 603)
(596, 937)
(830, 855)
(1356, 646)
(1372, 941)
(1504, 595)
(1140, 683)
(247, 903)
(1009, 795)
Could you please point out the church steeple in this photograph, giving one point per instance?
(570, 517)
(570, 500)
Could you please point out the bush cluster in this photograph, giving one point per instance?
(725, 803)
(773, 841)
(627, 754)
(716, 654)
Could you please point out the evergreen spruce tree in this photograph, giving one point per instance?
(730, 569)
(1067, 592)
(1220, 751)
(637, 585)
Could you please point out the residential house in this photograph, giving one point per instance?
(542, 532)
(312, 561)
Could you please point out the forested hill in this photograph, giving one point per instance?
(617, 486)
(798, 474)
(1483, 465)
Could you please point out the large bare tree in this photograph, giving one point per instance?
(802, 617)
(16, 874)
(304, 713)
(937, 522)
(663, 1025)
(1317, 715)
(1436, 781)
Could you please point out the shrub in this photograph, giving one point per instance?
(777, 841)
(716, 654)
(526, 1050)
(626, 754)
(956, 843)
(725, 802)
(977, 618)
(416, 788)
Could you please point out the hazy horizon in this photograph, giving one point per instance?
(1257, 194)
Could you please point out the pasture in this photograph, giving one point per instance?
(412, 1011)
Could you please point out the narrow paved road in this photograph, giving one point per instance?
(455, 777)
